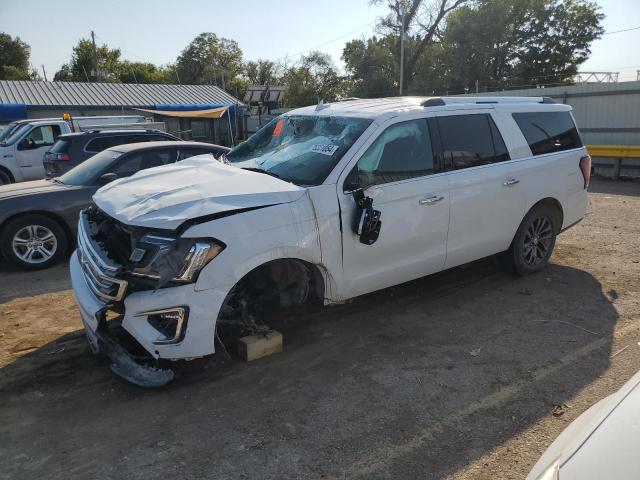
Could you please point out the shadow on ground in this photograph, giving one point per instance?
(16, 283)
(415, 381)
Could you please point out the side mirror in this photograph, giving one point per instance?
(24, 144)
(107, 178)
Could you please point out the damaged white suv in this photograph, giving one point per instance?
(326, 202)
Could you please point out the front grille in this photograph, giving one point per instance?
(99, 272)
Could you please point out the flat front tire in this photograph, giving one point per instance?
(534, 241)
(33, 242)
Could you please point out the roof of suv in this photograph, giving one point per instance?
(110, 132)
(376, 107)
(127, 147)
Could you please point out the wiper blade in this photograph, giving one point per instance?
(259, 170)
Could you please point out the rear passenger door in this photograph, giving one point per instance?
(487, 203)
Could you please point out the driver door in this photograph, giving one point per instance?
(401, 174)
(31, 149)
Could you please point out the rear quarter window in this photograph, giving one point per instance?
(548, 132)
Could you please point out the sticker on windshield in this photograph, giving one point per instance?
(324, 148)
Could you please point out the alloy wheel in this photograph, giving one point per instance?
(537, 241)
(34, 244)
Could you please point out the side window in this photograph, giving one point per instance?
(402, 151)
(143, 160)
(97, 145)
(45, 135)
(470, 141)
(548, 132)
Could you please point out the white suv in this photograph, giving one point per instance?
(326, 202)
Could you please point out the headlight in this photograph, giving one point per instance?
(200, 253)
(168, 259)
(552, 472)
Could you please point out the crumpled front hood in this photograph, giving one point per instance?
(165, 197)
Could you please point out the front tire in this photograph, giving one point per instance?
(5, 178)
(534, 241)
(33, 242)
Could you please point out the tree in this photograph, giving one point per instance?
(315, 79)
(210, 60)
(506, 43)
(144, 72)
(14, 58)
(373, 66)
(261, 72)
(81, 68)
(422, 20)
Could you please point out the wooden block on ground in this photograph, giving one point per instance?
(253, 347)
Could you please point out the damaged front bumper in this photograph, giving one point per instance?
(135, 309)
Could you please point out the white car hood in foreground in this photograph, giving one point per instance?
(602, 443)
(164, 197)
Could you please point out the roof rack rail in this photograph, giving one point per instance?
(440, 101)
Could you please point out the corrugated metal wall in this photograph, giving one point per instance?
(607, 114)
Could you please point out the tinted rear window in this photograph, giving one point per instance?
(548, 132)
(61, 146)
(470, 141)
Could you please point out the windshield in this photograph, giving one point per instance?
(7, 130)
(88, 171)
(15, 134)
(299, 149)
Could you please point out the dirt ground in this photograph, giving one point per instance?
(453, 376)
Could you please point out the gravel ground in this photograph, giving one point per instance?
(456, 375)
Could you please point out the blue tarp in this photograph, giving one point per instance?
(13, 111)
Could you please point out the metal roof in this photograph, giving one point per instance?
(79, 94)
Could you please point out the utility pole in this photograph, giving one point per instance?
(402, 51)
(95, 56)
(44, 73)
(477, 86)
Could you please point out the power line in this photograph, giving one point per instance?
(623, 30)
(335, 39)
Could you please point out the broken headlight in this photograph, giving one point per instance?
(168, 259)
(200, 253)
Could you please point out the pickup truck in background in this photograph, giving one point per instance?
(23, 144)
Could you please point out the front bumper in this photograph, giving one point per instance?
(199, 337)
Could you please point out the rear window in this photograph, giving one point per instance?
(61, 146)
(470, 141)
(548, 132)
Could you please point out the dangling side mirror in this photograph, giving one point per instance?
(366, 222)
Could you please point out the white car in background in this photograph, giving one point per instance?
(601, 444)
(325, 203)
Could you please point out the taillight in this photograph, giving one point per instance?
(585, 168)
(64, 157)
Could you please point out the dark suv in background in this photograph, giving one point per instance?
(72, 149)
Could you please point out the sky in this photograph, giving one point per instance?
(157, 30)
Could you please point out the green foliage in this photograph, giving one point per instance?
(262, 72)
(209, 59)
(373, 65)
(81, 68)
(142, 72)
(14, 58)
(313, 80)
(507, 43)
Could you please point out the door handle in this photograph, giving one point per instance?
(510, 181)
(430, 200)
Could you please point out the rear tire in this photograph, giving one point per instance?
(33, 242)
(534, 241)
(5, 179)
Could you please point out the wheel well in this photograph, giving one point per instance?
(8, 172)
(556, 207)
(281, 283)
(51, 216)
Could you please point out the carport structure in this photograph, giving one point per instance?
(194, 112)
